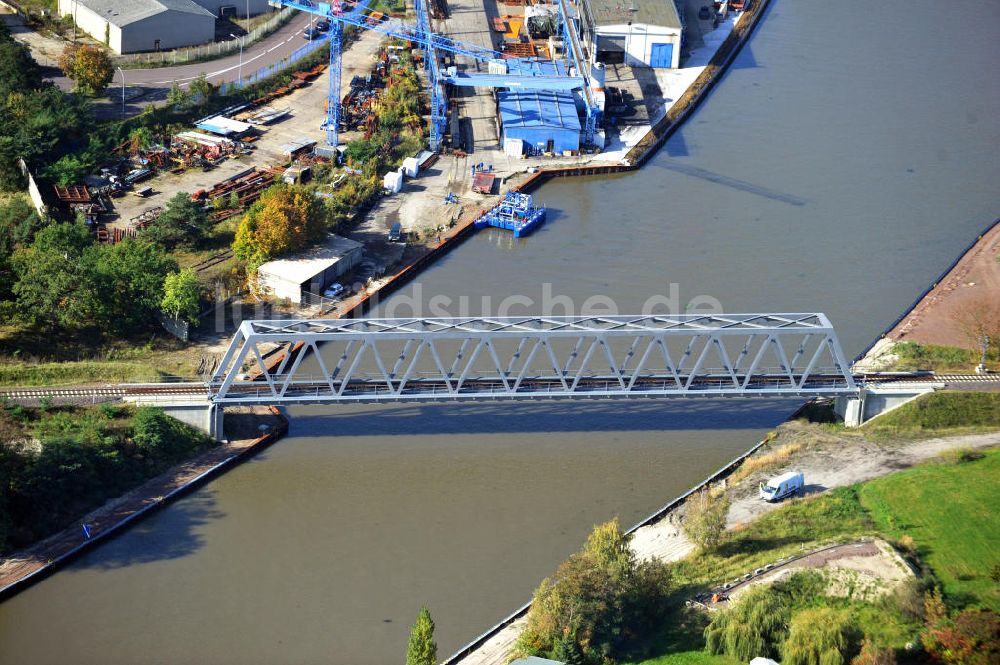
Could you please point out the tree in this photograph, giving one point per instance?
(54, 283)
(971, 638)
(181, 295)
(567, 650)
(182, 222)
(177, 97)
(705, 521)
(422, 649)
(819, 636)
(88, 66)
(754, 625)
(18, 224)
(286, 218)
(979, 318)
(18, 70)
(201, 90)
(129, 278)
(601, 596)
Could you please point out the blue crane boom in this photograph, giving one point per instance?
(521, 74)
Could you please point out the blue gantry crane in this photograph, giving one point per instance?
(515, 73)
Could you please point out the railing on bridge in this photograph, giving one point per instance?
(367, 360)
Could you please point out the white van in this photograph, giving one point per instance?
(784, 485)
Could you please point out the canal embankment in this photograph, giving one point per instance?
(251, 430)
(935, 316)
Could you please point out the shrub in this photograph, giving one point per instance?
(753, 626)
(873, 655)
(705, 521)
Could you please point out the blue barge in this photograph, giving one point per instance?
(516, 212)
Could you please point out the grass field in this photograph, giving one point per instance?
(950, 511)
(948, 508)
(939, 414)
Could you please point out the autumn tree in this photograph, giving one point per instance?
(970, 638)
(422, 649)
(181, 295)
(979, 318)
(286, 218)
(88, 66)
(705, 520)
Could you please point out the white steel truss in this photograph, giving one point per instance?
(474, 358)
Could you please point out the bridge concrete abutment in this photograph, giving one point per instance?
(874, 401)
(201, 413)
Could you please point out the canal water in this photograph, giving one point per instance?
(844, 161)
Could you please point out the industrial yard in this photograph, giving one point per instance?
(556, 95)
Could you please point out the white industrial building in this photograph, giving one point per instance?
(312, 271)
(643, 33)
(130, 26)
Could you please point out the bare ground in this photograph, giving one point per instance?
(976, 275)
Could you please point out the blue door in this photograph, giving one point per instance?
(662, 56)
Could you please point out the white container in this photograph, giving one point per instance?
(410, 167)
(393, 182)
(513, 147)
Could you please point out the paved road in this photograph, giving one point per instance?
(155, 82)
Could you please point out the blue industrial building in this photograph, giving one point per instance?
(539, 121)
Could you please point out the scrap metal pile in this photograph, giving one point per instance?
(361, 101)
(247, 186)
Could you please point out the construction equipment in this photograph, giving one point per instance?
(521, 74)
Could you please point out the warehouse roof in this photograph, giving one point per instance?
(538, 109)
(124, 12)
(648, 12)
(303, 267)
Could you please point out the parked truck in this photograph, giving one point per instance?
(784, 485)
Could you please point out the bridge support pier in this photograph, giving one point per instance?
(874, 401)
(198, 413)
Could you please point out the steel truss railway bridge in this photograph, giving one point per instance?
(477, 358)
(285, 362)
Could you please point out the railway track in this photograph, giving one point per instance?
(537, 386)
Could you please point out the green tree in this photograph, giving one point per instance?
(705, 519)
(54, 284)
(181, 294)
(90, 67)
(567, 650)
(753, 626)
(129, 278)
(177, 97)
(18, 70)
(182, 222)
(201, 90)
(600, 595)
(18, 224)
(820, 636)
(422, 649)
